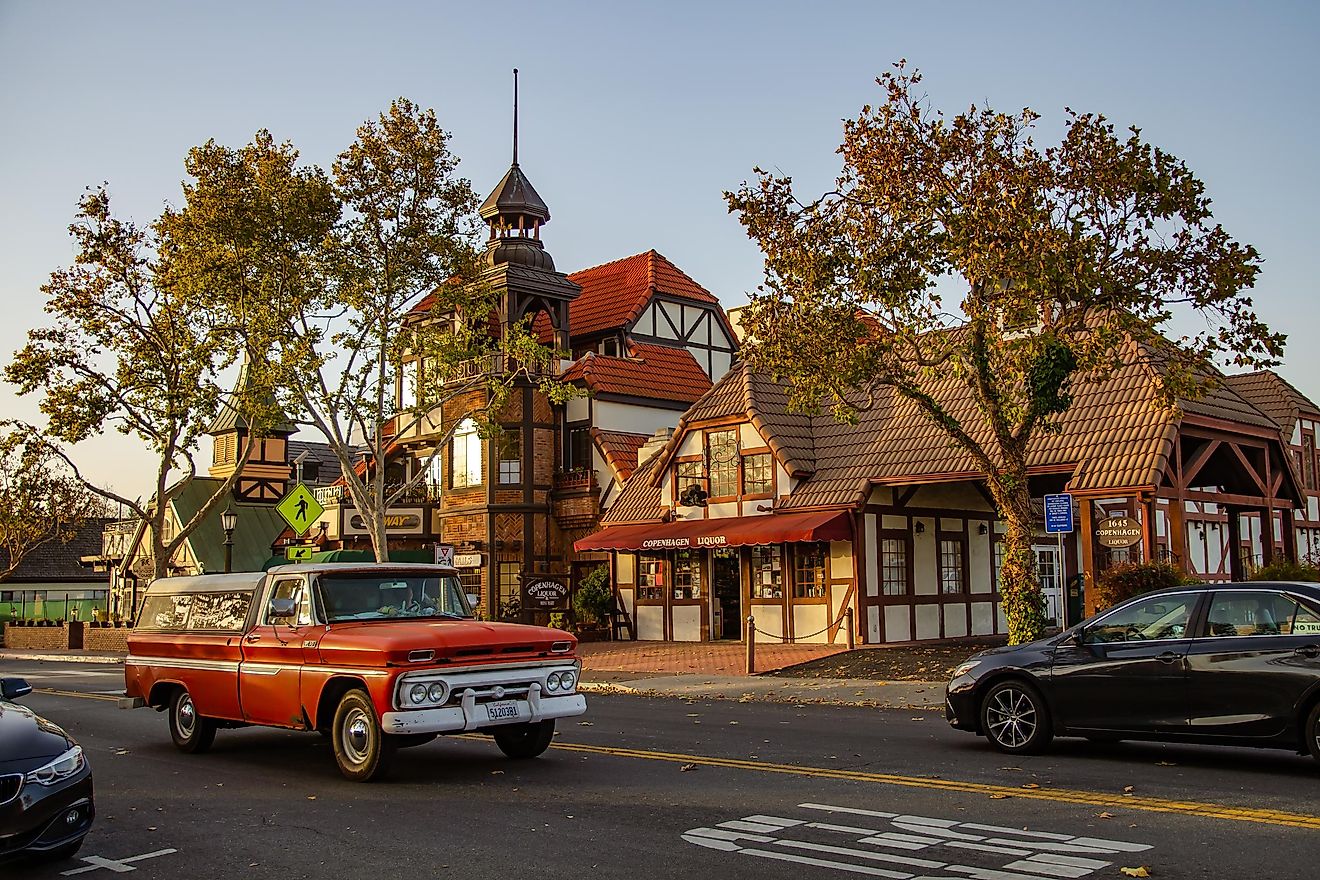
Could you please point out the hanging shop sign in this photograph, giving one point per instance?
(544, 592)
(1118, 532)
(467, 560)
(406, 521)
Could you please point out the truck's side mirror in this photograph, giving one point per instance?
(282, 609)
(13, 688)
(473, 599)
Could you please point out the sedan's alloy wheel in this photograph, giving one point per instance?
(1012, 718)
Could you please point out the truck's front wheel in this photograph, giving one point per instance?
(525, 740)
(362, 749)
(192, 732)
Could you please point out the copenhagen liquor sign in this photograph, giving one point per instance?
(544, 592)
(1118, 532)
(684, 543)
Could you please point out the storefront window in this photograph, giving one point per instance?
(723, 448)
(809, 571)
(951, 566)
(650, 578)
(758, 474)
(511, 457)
(893, 566)
(767, 572)
(465, 461)
(687, 574)
(510, 589)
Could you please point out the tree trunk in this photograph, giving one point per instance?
(1019, 587)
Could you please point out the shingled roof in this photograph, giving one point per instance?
(58, 561)
(614, 294)
(654, 372)
(620, 450)
(1274, 396)
(1116, 436)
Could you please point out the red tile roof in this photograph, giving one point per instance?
(619, 449)
(655, 372)
(615, 293)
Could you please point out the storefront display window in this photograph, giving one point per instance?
(767, 572)
(758, 474)
(650, 578)
(809, 571)
(687, 574)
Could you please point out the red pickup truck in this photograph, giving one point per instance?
(376, 656)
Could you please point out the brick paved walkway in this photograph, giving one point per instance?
(707, 658)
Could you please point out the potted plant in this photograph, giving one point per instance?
(592, 603)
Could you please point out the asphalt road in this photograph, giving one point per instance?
(675, 788)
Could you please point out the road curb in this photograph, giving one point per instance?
(60, 658)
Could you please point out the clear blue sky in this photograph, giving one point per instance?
(635, 117)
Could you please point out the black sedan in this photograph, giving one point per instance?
(45, 783)
(1228, 664)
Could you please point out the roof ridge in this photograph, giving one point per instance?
(609, 263)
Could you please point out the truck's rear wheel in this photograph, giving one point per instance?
(362, 749)
(525, 740)
(192, 732)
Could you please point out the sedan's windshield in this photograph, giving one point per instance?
(390, 596)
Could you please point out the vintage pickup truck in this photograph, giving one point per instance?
(376, 656)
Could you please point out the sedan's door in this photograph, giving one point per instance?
(1259, 655)
(1128, 671)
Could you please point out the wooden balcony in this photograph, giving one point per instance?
(576, 498)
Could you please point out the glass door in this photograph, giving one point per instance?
(726, 594)
(1050, 573)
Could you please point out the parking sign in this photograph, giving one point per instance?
(444, 554)
(1058, 514)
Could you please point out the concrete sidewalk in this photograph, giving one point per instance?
(653, 683)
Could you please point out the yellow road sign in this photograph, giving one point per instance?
(299, 552)
(300, 509)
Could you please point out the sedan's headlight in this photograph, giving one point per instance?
(64, 766)
(964, 668)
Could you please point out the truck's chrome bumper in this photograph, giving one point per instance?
(471, 715)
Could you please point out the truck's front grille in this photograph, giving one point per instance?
(490, 693)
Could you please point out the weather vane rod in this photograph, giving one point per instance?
(515, 116)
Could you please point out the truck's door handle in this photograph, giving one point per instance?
(1169, 657)
(1311, 651)
(252, 637)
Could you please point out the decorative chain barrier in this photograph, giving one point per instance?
(845, 619)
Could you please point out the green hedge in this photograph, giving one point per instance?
(1286, 571)
(1121, 582)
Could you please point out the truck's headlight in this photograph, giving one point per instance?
(552, 682)
(417, 693)
(436, 693)
(62, 767)
(567, 680)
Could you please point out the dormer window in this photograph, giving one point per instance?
(610, 347)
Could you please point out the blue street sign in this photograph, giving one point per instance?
(1058, 514)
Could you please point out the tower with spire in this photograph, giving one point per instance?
(518, 267)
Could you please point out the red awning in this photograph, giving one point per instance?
(730, 531)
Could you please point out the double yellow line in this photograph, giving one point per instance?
(1057, 795)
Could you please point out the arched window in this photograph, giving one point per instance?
(465, 456)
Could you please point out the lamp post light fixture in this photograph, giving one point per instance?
(228, 520)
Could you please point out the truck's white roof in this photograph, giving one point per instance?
(249, 580)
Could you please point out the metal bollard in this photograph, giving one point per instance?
(751, 645)
(852, 635)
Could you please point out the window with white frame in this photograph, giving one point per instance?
(758, 474)
(465, 456)
(511, 457)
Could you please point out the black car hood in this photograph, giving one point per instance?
(27, 740)
(1038, 645)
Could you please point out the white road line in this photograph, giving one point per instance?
(116, 866)
(860, 853)
(825, 863)
(853, 810)
(755, 827)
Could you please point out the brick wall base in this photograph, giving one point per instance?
(97, 638)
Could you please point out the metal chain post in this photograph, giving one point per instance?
(751, 645)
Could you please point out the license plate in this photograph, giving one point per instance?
(505, 711)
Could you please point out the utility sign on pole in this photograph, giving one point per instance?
(444, 554)
(300, 509)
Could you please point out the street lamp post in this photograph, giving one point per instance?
(228, 520)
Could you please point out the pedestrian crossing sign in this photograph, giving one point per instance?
(300, 509)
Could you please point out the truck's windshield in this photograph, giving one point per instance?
(389, 596)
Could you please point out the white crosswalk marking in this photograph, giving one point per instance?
(995, 852)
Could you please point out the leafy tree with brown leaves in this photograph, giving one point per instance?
(1076, 257)
(40, 499)
(126, 349)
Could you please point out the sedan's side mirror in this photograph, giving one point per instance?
(1078, 637)
(13, 688)
(282, 609)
